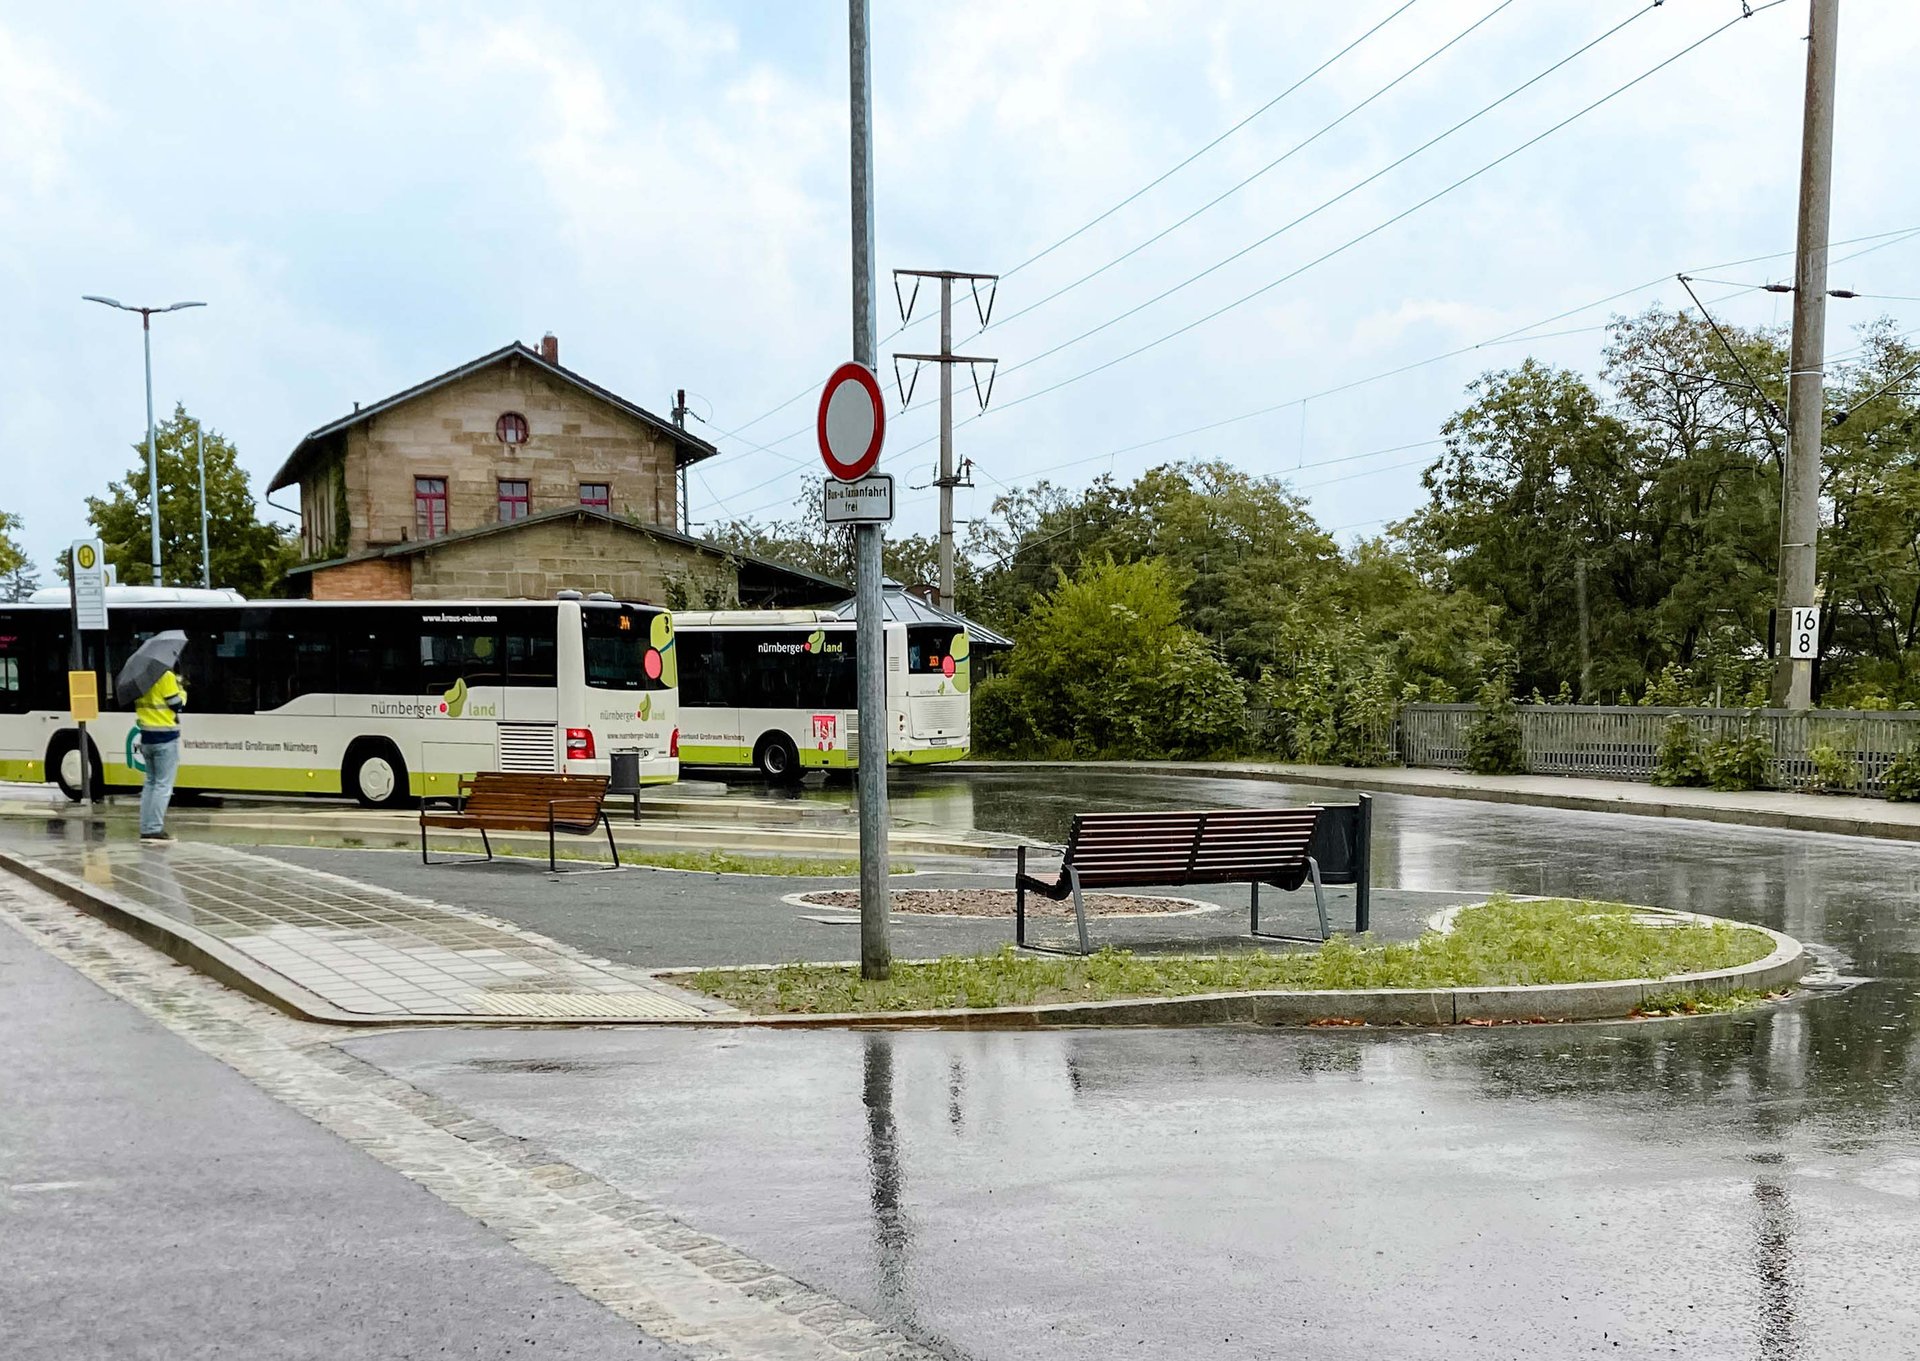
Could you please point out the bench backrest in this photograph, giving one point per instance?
(506, 796)
(1231, 845)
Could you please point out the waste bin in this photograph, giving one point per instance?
(623, 775)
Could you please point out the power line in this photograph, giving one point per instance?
(1376, 230)
(1143, 189)
(1527, 333)
(1270, 165)
(1348, 192)
(1168, 174)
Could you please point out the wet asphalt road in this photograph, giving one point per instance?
(154, 1204)
(1745, 1186)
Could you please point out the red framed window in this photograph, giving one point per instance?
(511, 428)
(596, 496)
(514, 501)
(430, 506)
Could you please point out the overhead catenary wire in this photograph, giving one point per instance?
(1150, 185)
(1371, 232)
(1527, 333)
(1279, 160)
(1344, 194)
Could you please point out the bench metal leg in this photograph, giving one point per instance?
(423, 841)
(608, 823)
(1319, 897)
(1319, 907)
(553, 863)
(1079, 909)
(1020, 897)
(485, 844)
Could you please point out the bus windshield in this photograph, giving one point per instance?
(615, 641)
(928, 650)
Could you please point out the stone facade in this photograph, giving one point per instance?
(573, 438)
(575, 553)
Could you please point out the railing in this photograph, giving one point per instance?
(1620, 742)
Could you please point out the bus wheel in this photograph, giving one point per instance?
(64, 762)
(777, 759)
(375, 775)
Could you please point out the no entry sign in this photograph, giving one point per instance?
(852, 423)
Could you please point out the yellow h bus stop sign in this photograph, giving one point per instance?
(83, 695)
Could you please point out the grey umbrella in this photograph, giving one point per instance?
(152, 660)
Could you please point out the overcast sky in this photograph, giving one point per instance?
(368, 194)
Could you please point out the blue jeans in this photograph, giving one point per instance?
(163, 763)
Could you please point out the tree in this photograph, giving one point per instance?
(248, 556)
(1103, 667)
(807, 541)
(18, 576)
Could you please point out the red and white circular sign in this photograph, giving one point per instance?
(852, 423)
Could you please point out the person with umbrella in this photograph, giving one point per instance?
(148, 682)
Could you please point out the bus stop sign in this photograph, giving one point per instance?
(852, 422)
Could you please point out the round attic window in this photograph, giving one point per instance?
(511, 428)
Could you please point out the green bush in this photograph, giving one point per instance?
(1833, 771)
(1104, 668)
(1494, 745)
(1680, 763)
(1734, 763)
(1902, 780)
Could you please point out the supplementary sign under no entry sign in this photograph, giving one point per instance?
(866, 502)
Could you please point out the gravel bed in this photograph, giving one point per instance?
(998, 902)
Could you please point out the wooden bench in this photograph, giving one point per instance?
(1284, 847)
(501, 802)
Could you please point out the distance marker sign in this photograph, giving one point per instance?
(852, 423)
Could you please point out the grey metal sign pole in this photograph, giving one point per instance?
(876, 956)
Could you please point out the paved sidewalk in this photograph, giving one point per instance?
(158, 1205)
(324, 944)
(1840, 814)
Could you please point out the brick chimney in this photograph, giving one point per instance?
(550, 348)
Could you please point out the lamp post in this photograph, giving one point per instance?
(153, 456)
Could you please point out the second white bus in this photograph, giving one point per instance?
(775, 689)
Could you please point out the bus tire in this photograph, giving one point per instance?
(778, 759)
(63, 764)
(375, 774)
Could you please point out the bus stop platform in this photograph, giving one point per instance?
(325, 948)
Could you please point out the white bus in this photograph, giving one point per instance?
(383, 701)
(775, 689)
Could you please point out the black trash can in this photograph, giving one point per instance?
(624, 775)
(626, 771)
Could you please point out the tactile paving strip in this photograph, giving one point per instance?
(362, 949)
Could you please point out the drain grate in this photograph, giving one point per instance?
(584, 1004)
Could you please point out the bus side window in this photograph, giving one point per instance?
(379, 652)
(531, 656)
(456, 653)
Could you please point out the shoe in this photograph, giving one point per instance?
(155, 836)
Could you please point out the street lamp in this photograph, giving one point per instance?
(153, 456)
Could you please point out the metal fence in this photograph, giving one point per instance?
(1620, 742)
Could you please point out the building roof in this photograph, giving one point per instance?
(411, 547)
(901, 606)
(687, 448)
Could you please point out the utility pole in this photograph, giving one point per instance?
(206, 555)
(876, 955)
(1806, 392)
(680, 423)
(946, 359)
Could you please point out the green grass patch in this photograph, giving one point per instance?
(1501, 942)
(1694, 1002)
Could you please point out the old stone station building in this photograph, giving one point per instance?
(511, 476)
